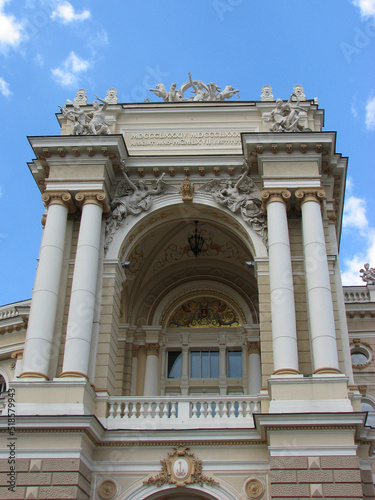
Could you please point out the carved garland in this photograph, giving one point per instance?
(180, 469)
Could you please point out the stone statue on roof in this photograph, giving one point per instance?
(368, 274)
(202, 91)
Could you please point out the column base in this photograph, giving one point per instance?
(326, 370)
(73, 375)
(286, 371)
(33, 375)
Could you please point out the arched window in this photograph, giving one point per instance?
(368, 406)
(3, 393)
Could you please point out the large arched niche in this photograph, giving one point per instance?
(162, 263)
(171, 208)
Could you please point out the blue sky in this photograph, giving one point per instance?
(51, 48)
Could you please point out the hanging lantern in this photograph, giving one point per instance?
(196, 241)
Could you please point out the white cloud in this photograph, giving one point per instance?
(355, 221)
(39, 60)
(67, 74)
(367, 7)
(355, 214)
(65, 13)
(350, 276)
(5, 90)
(370, 114)
(10, 30)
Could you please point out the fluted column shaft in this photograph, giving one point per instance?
(284, 331)
(151, 385)
(39, 338)
(82, 300)
(319, 297)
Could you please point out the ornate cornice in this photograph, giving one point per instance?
(95, 198)
(309, 194)
(275, 194)
(59, 198)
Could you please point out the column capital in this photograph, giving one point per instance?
(59, 198)
(135, 350)
(17, 354)
(275, 194)
(309, 194)
(152, 349)
(253, 347)
(94, 198)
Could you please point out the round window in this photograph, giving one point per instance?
(359, 358)
(361, 354)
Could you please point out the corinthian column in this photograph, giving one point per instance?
(283, 316)
(42, 318)
(82, 299)
(151, 385)
(319, 297)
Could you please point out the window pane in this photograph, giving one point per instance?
(359, 358)
(205, 357)
(174, 364)
(234, 364)
(214, 364)
(195, 364)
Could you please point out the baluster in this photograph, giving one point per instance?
(157, 410)
(173, 410)
(118, 411)
(194, 412)
(134, 410)
(225, 410)
(248, 409)
(165, 409)
(256, 407)
(126, 410)
(232, 409)
(240, 409)
(209, 409)
(111, 410)
(142, 410)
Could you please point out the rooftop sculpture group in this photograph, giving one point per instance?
(88, 122)
(202, 91)
(285, 116)
(368, 274)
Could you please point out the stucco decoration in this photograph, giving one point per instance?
(201, 91)
(368, 274)
(266, 94)
(111, 96)
(285, 116)
(81, 97)
(88, 122)
(254, 489)
(242, 196)
(180, 468)
(132, 198)
(203, 312)
(107, 490)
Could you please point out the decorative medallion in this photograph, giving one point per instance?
(254, 488)
(107, 490)
(203, 312)
(180, 469)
